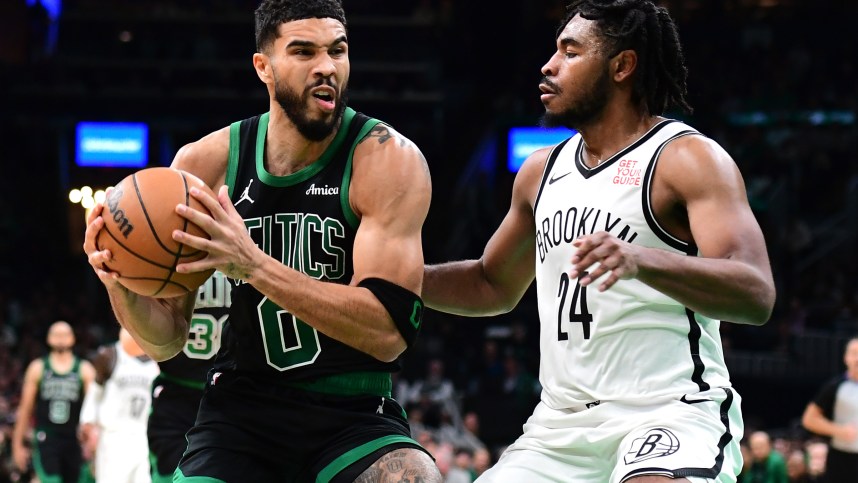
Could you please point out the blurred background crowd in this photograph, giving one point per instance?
(773, 81)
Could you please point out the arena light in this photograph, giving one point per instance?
(523, 141)
(112, 144)
(87, 197)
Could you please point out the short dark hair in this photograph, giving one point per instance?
(649, 30)
(271, 13)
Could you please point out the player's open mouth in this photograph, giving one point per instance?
(325, 98)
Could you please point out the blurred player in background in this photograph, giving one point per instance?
(177, 390)
(52, 395)
(114, 413)
(317, 224)
(640, 237)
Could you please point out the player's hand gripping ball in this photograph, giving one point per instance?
(139, 219)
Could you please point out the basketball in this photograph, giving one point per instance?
(139, 219)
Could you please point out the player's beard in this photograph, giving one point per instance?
(584, 110)
(295, 107)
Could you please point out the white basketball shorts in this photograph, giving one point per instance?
(693, 436)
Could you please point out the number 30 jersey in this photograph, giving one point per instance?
(190, 367)
(630, 342)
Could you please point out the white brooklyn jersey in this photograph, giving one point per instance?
(126, 399)
(630, 342)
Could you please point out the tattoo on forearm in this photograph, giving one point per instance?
(233, 272)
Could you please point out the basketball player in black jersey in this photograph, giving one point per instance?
(317, 224)
(51, 398)
(177, 390)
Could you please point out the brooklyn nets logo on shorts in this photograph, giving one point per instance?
(655, 443)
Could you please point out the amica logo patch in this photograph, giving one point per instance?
(655, 443)
(326, 190)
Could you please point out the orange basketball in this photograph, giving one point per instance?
(139, 219)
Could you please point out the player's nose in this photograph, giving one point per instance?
(325, 67)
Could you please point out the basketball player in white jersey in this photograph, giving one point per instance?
(640, 237)
(116, 410)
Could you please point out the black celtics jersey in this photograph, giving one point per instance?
(304, 220)
(190, 366)
(59, 400)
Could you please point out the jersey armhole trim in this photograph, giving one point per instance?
(232, 162)
(646, 193)
(351, 216)
(549, 163)
(46, 365)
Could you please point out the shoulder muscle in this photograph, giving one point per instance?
(529, 176)
(388, 170)
(34, 371)
(692, 166)
(206, 158)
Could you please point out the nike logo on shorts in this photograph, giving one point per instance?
(685, 399)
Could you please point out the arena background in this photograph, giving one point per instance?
(774, 81)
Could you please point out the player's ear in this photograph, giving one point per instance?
(623, 64)
(262, 65)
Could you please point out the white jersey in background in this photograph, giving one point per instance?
(631, 342)
(120, 408)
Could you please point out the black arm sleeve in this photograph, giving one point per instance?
(404, 306)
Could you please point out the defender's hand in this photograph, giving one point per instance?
(610, 253)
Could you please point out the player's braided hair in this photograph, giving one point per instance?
(649, 30)
(271, 13)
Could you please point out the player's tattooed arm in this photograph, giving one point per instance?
(402, 466)
(383, 133)
(232, 270)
